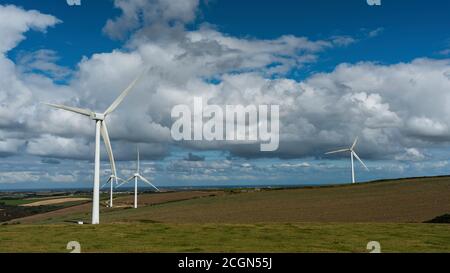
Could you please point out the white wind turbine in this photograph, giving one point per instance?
(111, 179)
(135, 176)
(100, 128)
(352, 153)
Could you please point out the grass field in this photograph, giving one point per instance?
(121, 203)
(53, 201)
(317, 219)
(402, 201)
(16, 202)
(292, 237)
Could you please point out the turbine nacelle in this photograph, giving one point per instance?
(113, 177)
(97, 116)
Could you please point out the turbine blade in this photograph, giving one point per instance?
(138, 162)
(121, 184)
(148, 182)
(85, 112)
(338, 151)
(124, 93)
(359, 159)
(354, 143)
(116, 179)
(107, 181)
(105, 135)
(119, 179)
(125, 181)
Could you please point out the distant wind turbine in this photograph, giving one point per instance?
(100, 128)
(112, 178)
(135, 176)
(352, 153)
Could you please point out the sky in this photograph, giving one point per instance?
(337, 70)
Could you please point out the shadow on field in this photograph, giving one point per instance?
(443, 219)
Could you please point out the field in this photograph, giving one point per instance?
(159, 237)
(316, 219)
(53, 201)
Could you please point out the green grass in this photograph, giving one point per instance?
(16, 202)
(23, 201)
(405, 201)
(327, 219)
(157, 237)
(27, 201)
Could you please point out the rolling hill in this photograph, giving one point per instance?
(398, 201)
(316, 219)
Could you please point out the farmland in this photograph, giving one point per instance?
(289, 237)
(313, 219)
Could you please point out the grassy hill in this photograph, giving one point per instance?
(290, 237)
(398, 201)
(316, 219)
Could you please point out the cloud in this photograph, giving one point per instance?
(50, 161)
(218, 53)
(193, 157)
(375, 32)
(225, 171)
(391, 107)
(292, 165)
(343, 40)
(20, 176)
(10, 146)
(59, 147)
(14, 21)
(445, 52)
(179, 69)
(426, 127)
(18, 92)
(319, 113)
(189, 167)
(411, 154)
(42, 61)
(33, 177)
(143, 13)
(61, 178)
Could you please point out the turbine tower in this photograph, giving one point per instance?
(100, 129)
(135, 176)
(352, 154)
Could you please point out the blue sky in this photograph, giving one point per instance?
(346, 68)
(411, 28)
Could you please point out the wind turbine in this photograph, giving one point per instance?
(352, 154)
(100, 128)
(135, 176)
(112, 178)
